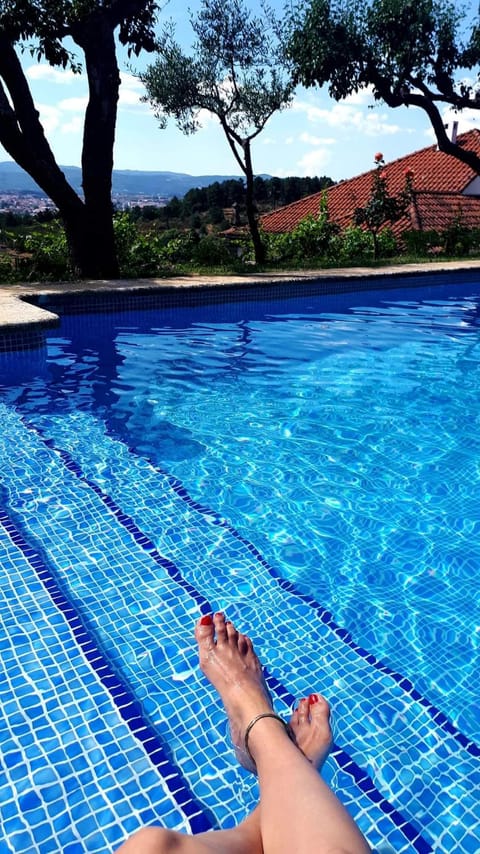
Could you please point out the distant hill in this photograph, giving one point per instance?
(13, 179)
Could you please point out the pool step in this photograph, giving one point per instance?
(92, 525)
(68, 749)
(382, 721)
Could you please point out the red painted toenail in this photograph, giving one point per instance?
(206, 620)
(219, 613)
(313, 698)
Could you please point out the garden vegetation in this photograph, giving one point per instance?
(411, 52)
(193, 235)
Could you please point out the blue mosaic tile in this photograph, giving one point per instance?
(201, 790)
(403, 764)
(50, 808)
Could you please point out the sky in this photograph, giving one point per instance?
(315, 136)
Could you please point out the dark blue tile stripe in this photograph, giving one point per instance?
(127, 522)
(440, 719)
(128, 707)
(348, 765)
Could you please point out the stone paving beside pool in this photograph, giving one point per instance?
(19, 306)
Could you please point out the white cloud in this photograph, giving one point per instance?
(313, 162)
(345, 116)
(206, 119)
(67, 116)
(364, 97)
(49, 117)
(44, 72)
(270, 140)
(75, 126)
(54, 119)
(73, 105)
(131, 91)
(375, 123)
(316, 140)
(131, 88)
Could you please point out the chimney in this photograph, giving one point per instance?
(454, 132)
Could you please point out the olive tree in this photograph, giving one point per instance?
(45, 27)
(234, 72)
(411, 52)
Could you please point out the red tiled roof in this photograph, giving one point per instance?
(439, 181)
(435, 211)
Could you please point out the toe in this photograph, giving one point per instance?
(232, 633)
(318, 707)
(302, 710)
(220, 628)
(204, 631)
(244, 644)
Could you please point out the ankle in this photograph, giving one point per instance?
(259, 728)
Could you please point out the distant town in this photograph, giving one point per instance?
(33, 203)
(21, 195)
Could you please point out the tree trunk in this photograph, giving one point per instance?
(97, 236)
(258, 246)
(89, 256)
(89, 232)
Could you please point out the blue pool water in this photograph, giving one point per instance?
(311, 465)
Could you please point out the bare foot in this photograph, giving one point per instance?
(310, 724)
(229, 662)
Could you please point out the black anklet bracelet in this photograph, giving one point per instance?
(252, 724)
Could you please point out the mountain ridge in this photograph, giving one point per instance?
(132, 182)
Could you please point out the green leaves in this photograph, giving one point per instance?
(411, 52)
(392, 45)
(233, 72)
(173, 86)
(381, 207)
(49, 22)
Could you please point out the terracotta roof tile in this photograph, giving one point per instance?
(436, 211)
(439, 182)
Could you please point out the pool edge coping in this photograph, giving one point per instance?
(21, 312)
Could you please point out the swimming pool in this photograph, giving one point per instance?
(311, 465)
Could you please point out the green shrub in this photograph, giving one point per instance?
(180, 249)
(213, 251)
(354, 244)
(386, 244)
(7, 270)
(422, 243)
(140, 253)
(48, 248)
(457, 238)
(278, 247)
(166, 236)
(475, 240)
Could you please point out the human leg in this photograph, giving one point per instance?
(243, 839)
(312, 736)
(298, 811)
(294, 812)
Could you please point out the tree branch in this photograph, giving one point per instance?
(425, 103)
(233, 140)
(22, 134)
